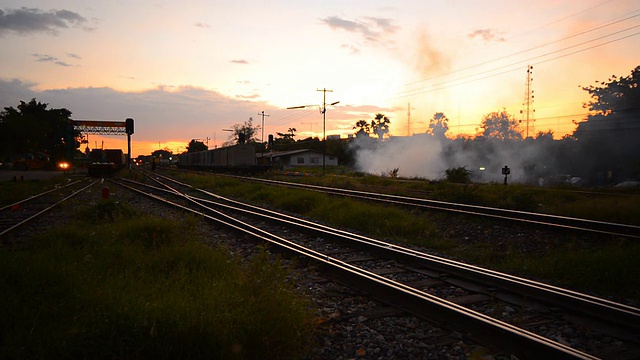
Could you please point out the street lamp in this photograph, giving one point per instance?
(324, 122)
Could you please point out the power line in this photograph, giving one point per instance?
(565, 18)
(311, 124)
(452, 83)
(292, 118)
(527, 50)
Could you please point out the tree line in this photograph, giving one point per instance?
(31, 127)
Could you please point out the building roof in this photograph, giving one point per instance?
(285, 153)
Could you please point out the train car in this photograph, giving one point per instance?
(32, 161)
(236, 159)
(105, 162)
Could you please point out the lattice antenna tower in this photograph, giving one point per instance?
(409, 119)
(528, 112)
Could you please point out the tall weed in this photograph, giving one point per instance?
(138, 288)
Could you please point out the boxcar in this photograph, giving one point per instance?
(105, 162)
(235, 158)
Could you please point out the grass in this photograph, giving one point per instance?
(605, 204)
(605, 268)
(13, 191)
(382, 222)
(134, 288)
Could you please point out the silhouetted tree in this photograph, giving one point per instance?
(286, 138)
(162, 154)
(195, 145)
(243, 133)
(378, 126)
(364, 129)
(609, 136)
(501, 125)
(32, 127)
(438, 125)
(340, 148)
(618, 96)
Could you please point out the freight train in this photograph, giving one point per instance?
(105, 162)
(239, 158)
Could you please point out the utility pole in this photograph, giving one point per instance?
(263, 115)
(324, 126)
(323, 110)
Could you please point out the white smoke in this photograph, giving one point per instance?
(415, 156)
(428, 157)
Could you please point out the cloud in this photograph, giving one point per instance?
(15, 90)
(386, 25)
(25, 21)
(203, 25)
(373, 31)
(252, 96)
(161, 114)
(51, 59)
(366, 109)
(487, 35)
(335, 22)
(239, 61)
(352, 49)
(75, 56)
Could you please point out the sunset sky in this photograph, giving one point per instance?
(189, 69)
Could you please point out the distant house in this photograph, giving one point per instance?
(303, 157)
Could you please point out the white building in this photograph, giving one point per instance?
(303, 157)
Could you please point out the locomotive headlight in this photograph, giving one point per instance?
(63, 165)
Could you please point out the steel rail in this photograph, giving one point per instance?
(567, 222)
(498, 333)
(606, 310)
(15, 226)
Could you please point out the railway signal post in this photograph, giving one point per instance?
(506, 171)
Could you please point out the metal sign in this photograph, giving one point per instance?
(100, 127)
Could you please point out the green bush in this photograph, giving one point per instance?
(459, 175)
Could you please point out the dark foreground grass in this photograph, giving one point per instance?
(134, 288)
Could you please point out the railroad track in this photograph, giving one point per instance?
(548, 220)
(419, 283)
(14, 216)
